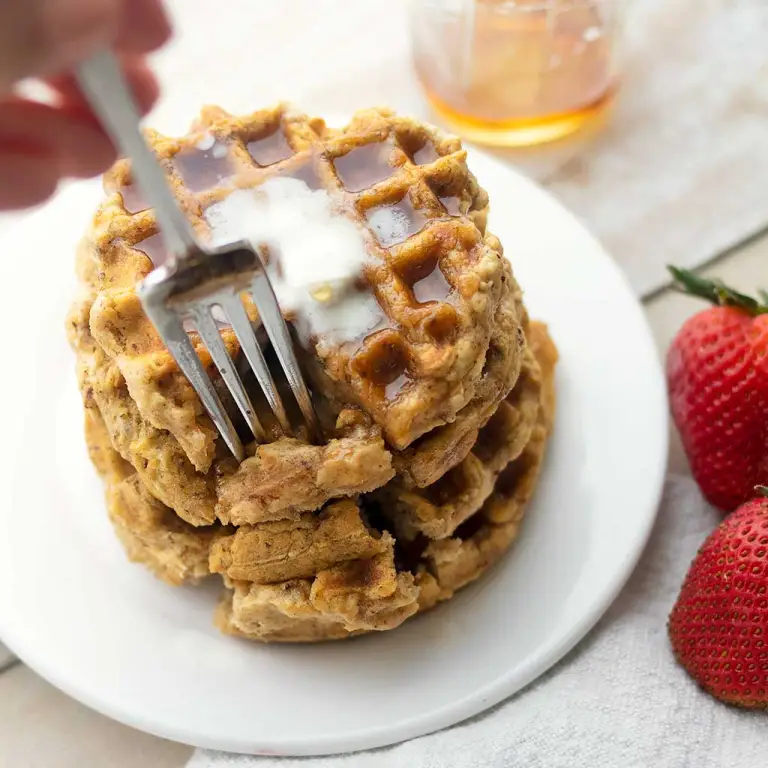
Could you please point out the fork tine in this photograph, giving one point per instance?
(241, 323)
(175, 337)
(277, 330)
(206, 327)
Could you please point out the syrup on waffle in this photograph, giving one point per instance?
(439, 286)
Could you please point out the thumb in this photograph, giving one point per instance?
(43, 36)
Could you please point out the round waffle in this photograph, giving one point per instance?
(446, 348)
(432, 455)
(341, 571)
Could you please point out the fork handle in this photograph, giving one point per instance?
(103, 84)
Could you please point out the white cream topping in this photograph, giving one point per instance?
(390, 224)
(320, 251)
(206, 142)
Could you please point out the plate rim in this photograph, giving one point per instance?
(511, 683)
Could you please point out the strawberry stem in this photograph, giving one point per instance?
(761, 490)
(716, 292)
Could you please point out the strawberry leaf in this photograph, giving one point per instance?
(717, 292)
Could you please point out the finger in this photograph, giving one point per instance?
(141, 80)
(41, 36)
(80, 147)
(144, 27)
(26, 179)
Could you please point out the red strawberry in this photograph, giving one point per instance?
(717, 375)
(719, 625)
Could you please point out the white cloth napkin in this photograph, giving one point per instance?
(618, 701)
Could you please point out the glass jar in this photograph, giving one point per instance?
(516, 72)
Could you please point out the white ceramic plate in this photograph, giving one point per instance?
(147, 654)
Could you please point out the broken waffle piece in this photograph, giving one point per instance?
(288, 477)
(290, 549)
(358, 596)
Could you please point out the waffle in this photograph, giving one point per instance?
(279, 480)
(415, 576)
(290, 549)
(339, 572)
(438, 509)
(447, 565)
(435, 416)
(426, 460)
(351, 598)
(440, 291)
(150, 532)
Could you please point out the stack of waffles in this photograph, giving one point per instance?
(435, 419)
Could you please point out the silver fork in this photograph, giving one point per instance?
(195, 280)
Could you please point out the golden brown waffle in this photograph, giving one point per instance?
(291, 549)
(435, 420)
(438, 509)
(280, 480)
(356, 596)
(150, 532)
(450, 564)
(428, 458)
(331, 574)
(296, 611)
(154, 535)
(443, 291)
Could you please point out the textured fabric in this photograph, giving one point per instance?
(5, 656)
(618, 701)
(676, 176)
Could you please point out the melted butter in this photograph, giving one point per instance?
(316, 256)
(392, 224)
(306, 173)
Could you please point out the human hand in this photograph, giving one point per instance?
(42, 143)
